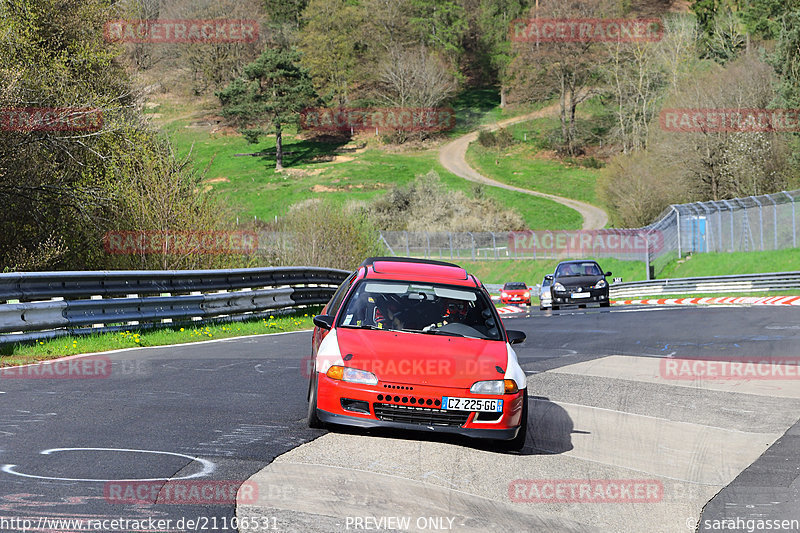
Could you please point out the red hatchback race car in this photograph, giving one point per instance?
(515, 292)
(416, 344)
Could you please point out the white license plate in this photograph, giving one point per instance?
(581, 295)
(483, 405)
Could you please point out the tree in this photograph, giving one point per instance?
(62, 189)
(439, 24)
(488, 38)
(332, 42)
(569, 70)
(270, 95)
(638, 75)
(786, 61)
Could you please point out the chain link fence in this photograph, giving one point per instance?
(767, 222)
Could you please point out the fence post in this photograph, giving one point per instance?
(408, 251)
(450, 236)
(494, 244)
(760, 220)
(774, 221)
(794, 221)
(733, 239)
(647, 254)
(471, 236)
(678, 226)
(428, 245)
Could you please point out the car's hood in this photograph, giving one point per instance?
(415, 358)
(578, 281)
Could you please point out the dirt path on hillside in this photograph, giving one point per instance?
(453, 157)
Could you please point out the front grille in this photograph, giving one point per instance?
(422, 416)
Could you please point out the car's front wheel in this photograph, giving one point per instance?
(313, 420)
(605, 304)
(518, 442)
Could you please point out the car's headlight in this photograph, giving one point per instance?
(352, 375)
(600, 284)
(526, 295)
(504, 294)
(496, 386)
(558, 287)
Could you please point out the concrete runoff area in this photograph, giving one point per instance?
(351, 480)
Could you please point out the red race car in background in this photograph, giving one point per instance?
(515, 292)
(418, 345)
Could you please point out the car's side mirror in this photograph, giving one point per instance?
(608, 273)
(323, 321)
(514, 336)
(549, 277)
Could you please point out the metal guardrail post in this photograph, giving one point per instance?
(678, 226)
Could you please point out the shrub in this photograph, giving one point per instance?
(427, 205)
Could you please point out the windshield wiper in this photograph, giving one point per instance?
(359, 326)
(440, 332)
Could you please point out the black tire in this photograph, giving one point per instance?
(582, 306)
(313, 420)
(542, 308)
(554, 308)
(518, 442)
(605, 304)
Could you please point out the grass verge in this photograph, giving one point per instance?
(17, 354)
(720, 264)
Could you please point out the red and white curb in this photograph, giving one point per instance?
(728, 300)
(509, 309)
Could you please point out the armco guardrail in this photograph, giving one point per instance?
(49, 304)
(774, 281)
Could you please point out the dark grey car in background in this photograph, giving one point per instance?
(578, 283)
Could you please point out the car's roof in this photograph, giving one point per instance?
(516, 283)
(428, 271)
(578, 261)
(396, 259)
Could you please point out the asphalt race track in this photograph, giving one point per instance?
(601, 410)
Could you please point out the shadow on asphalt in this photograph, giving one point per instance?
(550, 431)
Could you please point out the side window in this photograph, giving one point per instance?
(338, 296)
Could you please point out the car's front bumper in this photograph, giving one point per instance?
(346, 420)
(393, 402)
(515, 300)
(567, 298)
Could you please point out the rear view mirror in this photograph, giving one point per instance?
(608, 273)
(515, 337)
(549, 277)
(323, 321)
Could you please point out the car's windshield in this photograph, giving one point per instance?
(420, 308)
(515, 286)
(578, 269)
